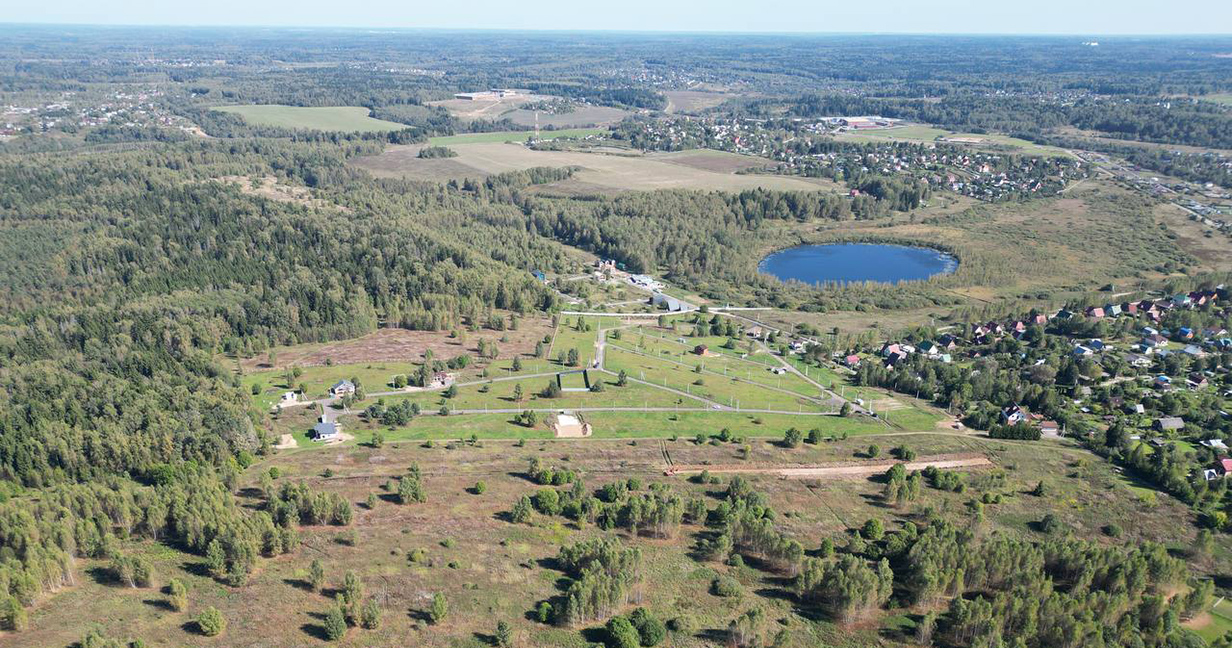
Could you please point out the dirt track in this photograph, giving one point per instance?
(842, 471)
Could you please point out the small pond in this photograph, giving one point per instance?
(847, 262)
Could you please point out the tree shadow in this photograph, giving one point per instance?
(776, 594)
(298, 583)
(484, 638)
(159, 604)
(597, 635)
(875, 501)
(103, 576)
(419, 615)
(316, 631)
(196, 568)
(901, 634)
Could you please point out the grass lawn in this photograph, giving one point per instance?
(330, 118)
(727, 391)
(568, 337)
(1216, 623)
(512, 136)
(722, 364)
(1225, 99)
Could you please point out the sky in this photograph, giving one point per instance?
(1088, 17)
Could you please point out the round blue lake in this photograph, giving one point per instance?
(847, 262)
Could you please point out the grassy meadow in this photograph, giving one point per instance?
(327, 118)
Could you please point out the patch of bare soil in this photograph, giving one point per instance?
(286, 442)
(852, 470)
(342, 437)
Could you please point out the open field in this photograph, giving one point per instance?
(490, 569)
(690, 101)
(330, 118)
(1219, 98)
(581, 116)
(395, 344)
(714, 365)
(726, 391)
(481, 155)
(511, 108)
(711, 160)
(921, 133)
(510, 136)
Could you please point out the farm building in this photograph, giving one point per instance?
(666, 302)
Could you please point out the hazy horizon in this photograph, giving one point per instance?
(945, 17)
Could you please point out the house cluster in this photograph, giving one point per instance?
(893, 353)
(985, 176)
(1018, 415)
(797, 147)
(73, 110)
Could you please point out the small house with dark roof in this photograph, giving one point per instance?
(342, 388)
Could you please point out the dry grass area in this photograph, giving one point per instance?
(490, 569)
(582, 115)
(1211, 251)
(483, 109)
(511, 108)
(599, 171)
(268, 187)
(717, 161)
(401, 345)
(689, 101)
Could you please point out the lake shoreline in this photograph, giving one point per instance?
(852, 262)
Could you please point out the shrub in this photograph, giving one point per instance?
(440, 608)
(622, 634)
(1050, 524)
(793, 438)
(649, 628)
(335, 623)
(504, 635)
(725, 586)
(370, 615)
(211, 622)
(177, 595)
(873, 530)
